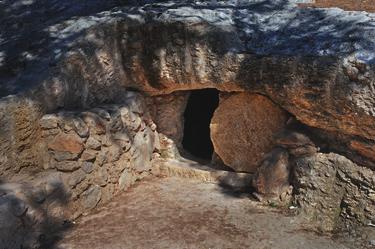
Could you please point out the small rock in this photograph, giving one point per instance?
(101, 158)
(91, 197)
(88, 155)
(76, 177)
(92, 143)
(49, 121)
(50, 132)
(126, 180)
(107, 141)
(80, 127)
(68, 166)
(101, 177)
(71, 143)
(87, 167)
(63, 156)
(94, 122)
(114, 153)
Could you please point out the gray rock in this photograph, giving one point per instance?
(80, 127)
(101, 158)
(88, 155)
(87, 167)
(49, 121)
(67, 166)
(63, 155)
(101, 176)
(114, 153)
(123, 140)
(92, 143)
(333, 192)
(76, 177)
(143, 146)
(91, 197)
(126, 179)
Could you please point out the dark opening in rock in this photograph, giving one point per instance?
(199, 111)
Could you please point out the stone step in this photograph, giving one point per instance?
(193, 170)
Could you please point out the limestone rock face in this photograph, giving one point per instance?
(333, 192)
(243, 129)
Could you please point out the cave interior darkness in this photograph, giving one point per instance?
(199, 110)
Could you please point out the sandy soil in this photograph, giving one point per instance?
(182, 213)
(362, 5)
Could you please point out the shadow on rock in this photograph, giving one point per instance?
(32, 217)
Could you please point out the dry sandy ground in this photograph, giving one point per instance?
(183, 213)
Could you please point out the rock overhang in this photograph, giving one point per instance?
(318, 64)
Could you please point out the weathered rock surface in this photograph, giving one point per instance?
(243, 129)
(167, 112)
(317, 64)
(302, 59)
(192, 170)
(297, 144)
(272, 178)
(333, 192)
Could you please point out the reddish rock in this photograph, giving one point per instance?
(366, 150)
(71, 143)
(243, 129)
(88, 155)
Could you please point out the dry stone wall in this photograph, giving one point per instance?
(101, 150)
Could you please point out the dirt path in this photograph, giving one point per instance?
(181, 213)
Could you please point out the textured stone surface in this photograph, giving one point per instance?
(272, 177)
(67, 143)
(91, 197)
(167, 112)
(298, 144)
(272, 48)
(333, 192)
(193, 170)
(243, 129)
(68, 165)
(317, 64)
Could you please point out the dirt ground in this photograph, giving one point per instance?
(183, 213)
(362, 5)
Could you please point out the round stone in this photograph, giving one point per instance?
(243, 130)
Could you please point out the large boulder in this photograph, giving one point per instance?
(333, 192)
(243, 130)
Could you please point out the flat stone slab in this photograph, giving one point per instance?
(192, 170)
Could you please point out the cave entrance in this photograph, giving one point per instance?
(197, 117)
